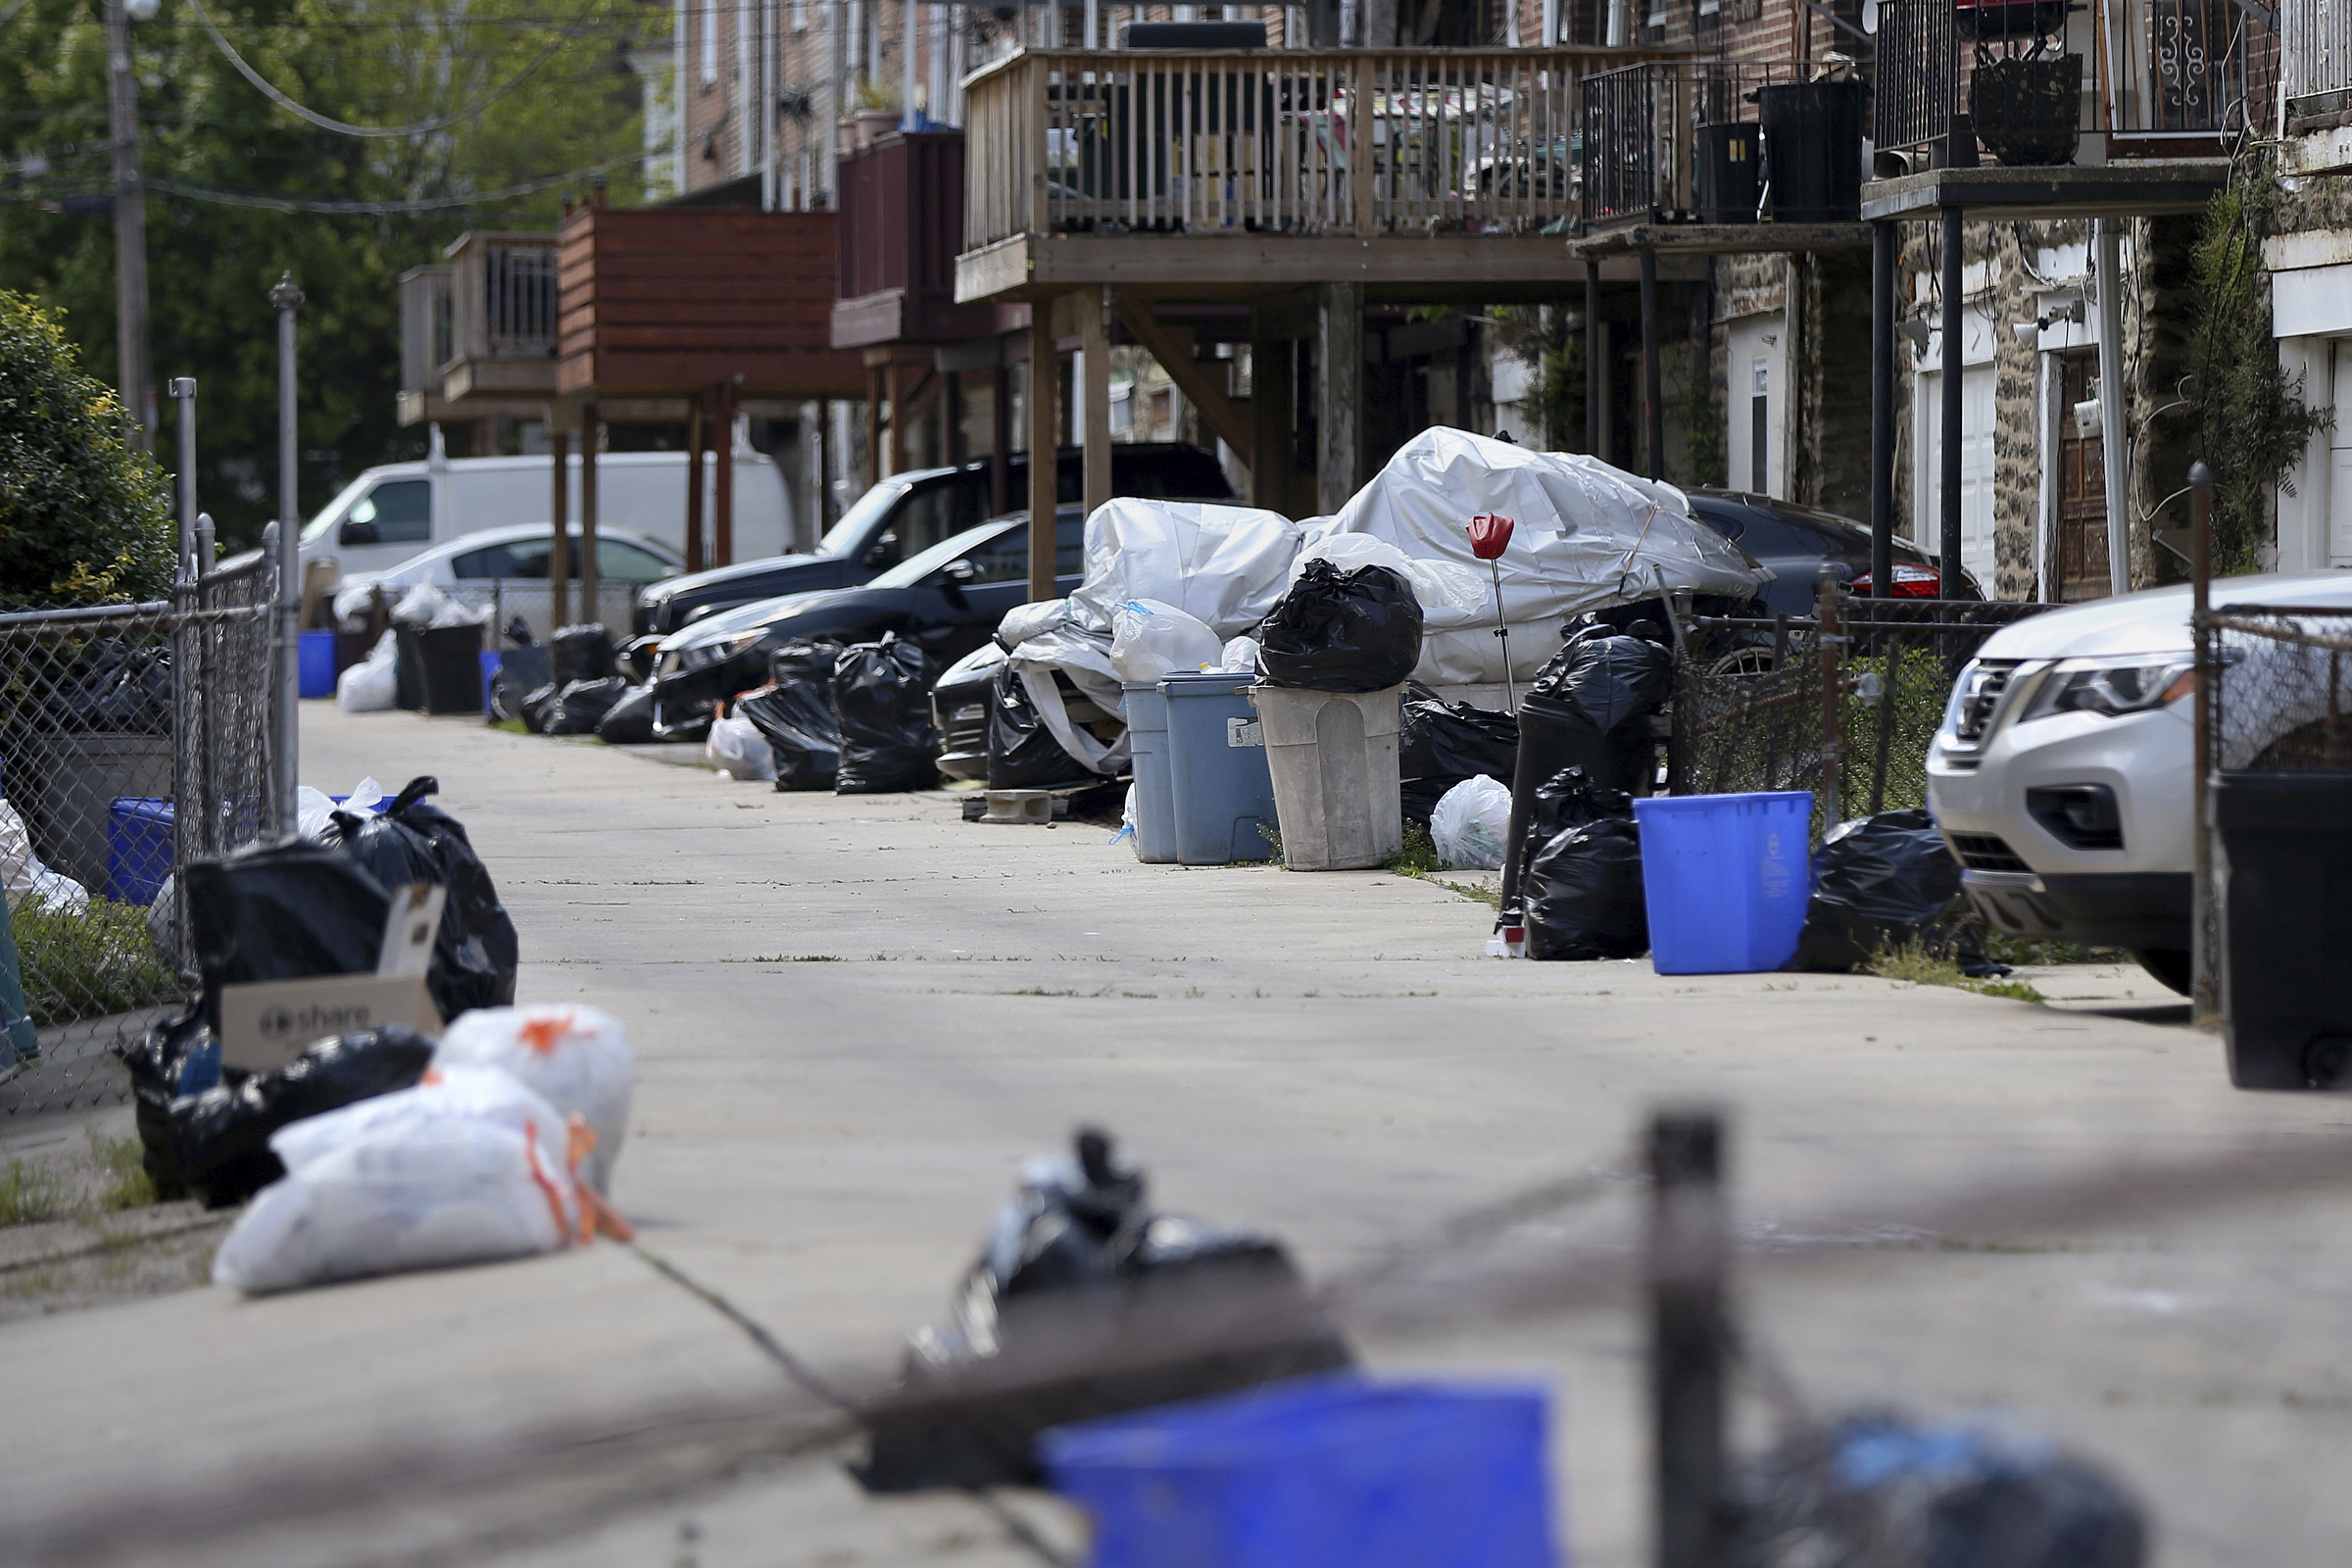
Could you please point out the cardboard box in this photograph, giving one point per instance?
(266, 1025)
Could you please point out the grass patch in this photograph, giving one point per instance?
(513, 727)
(1417, 856)
(1913, 963)
(88, 963)
(2002, 948)
(28, 1195)
(125, 1181)
(1491, 898)
(1273, 836)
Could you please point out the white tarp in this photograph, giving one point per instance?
(1586, 536)
(1225, 565)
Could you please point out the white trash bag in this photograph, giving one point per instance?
(464, 1168)
(1239, 657)
(24, 878)
(737, 748)
(1151, 641)
(1471, 824)
(370, 686)
(576, 1056)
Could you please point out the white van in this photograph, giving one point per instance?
(388, 515)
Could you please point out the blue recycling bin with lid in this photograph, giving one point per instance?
(1220, 785)
(1726, 878)
(138, 848)
(1338, 1472)
(1146, 710)
(317, 667)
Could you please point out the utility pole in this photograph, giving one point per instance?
(130, 223)
(285, 298)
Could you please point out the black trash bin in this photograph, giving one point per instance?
(450, 660)
(1727, 160)
(408, 669)
(1813, 149)
(2287, 922)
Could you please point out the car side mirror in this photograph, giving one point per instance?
(960, 571)
(882, 554)
(356, 532)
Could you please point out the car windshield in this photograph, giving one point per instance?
(844, 535)
(912, 570)
(332, 513)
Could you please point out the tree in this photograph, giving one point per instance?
(213, 145)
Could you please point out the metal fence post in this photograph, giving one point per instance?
(1689, 1334)
(285, 298)
(183, 392)
(1831, 644)
(2204, 998)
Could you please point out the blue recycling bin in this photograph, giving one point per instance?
(139, 849)
(318, 663)
(1317, 1473)
(1726, 878)
(1220, 786)
(1147, 714)
(492, 660)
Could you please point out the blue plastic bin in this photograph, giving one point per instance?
(493, 661)
(1147, 714)
(1725, 877)
(139, 849)
(1220, 785)
(1318, 1473)
(318, 663)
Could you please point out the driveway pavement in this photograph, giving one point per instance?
(855, 1015)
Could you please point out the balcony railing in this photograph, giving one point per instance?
(2152, 78)
(424, 330)
(1355, 142)
(503, 297)
(1644, 128)
(2315, 46)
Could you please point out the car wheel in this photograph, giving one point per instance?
(2171, 966)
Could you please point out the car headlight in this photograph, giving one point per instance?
(2113, 688)
(704, 654)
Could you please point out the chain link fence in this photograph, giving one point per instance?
(111, 718)
(1844, 704)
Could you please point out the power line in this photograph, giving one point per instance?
(344, 127)
(431, 204)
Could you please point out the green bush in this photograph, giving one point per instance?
(88, 963)
(84, 519)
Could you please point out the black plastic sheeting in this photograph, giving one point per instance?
(1075, 1259)
(629, 722)
(221, 1138)
(1341, 631)
(882, 701)
(1581, 896)
(1883, 881)
(283, 911)
(1439, 743)
(1022, 754)
(580, 652)
(1875, 1488)
(795, 711)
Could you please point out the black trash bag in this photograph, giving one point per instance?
(882, 705)
(539, 706)
(1341, 631)
(1022, 754)
(629, 722)
(221, 1138)
(795, 712)
(519, 632)
(283, 911)
(1078, 1272)
(1439, 743)
(160, 1073)
(581, 706)
(475, 953)
(521, 673)
(112, 687)
(1875, 1488)
(1570, 799)
(1608, 679)
(1582, 895)
(580, 652)
(1881, 882)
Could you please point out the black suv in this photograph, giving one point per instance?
(907, 514)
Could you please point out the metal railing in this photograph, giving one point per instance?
(1918, 73)
(2315, 48)
(111, 720)
(502, 297)
(1641, 129)
(1364, 142)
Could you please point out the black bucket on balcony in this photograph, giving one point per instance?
(2027, 110)
(1813, 144)
(1727, 172)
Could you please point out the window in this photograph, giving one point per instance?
(710, 20)
(491, 562)
(1005, 558)
(398, 512)
(940, 512)
(618, 561)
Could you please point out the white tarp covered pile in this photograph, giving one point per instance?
(1587, 536)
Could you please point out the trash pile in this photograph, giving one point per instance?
(1142, 1309)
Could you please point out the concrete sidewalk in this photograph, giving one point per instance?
(853, 1015)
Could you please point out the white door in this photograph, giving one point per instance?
(1755, 403)
(2339, 457)
(1975, 469)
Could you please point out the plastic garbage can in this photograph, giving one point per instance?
(2286, 992)
(1317, 1473)
(1220, 792)
(318, 663)
(138, 848)
(492, 662)
(1813, 149)
(1726, 878)
(408, 669)
(1147, 714)
(452, 665)
(1334, 761)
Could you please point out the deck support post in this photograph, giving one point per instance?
(1044, 444)
(591, 429)
(559, 548)
(1340, 368)
(1653, 396)
(1948, 549)
(1094, 335)
(1882, 409)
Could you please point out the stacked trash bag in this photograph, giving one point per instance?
(853, 719)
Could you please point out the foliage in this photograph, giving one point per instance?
(89, 963)
(122, 1171)
(1418, 855)
(2251, 423)
(1913, 963)
(1540, 339)
(84, 519)
(30, 1194)
(211, 262)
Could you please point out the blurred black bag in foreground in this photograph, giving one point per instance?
(1083, 1304)
(221, 1136)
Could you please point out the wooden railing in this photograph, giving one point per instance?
(424, 329)
(1341, 141)
(502, 297)
(2315, 52)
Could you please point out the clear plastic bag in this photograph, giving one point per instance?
(1150, 640)
(576, 1056)
(1472, 823)
(736, 748)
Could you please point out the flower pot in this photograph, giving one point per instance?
(2027, 112)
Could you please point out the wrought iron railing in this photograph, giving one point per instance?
(1642, 127)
